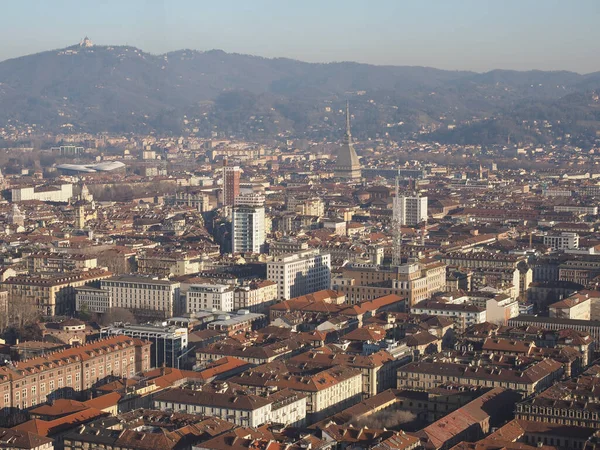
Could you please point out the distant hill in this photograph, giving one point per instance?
(122, 89)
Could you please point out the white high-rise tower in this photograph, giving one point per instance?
(409, 210)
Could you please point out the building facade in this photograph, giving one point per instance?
(248, 229)
(58, 194)
(67, 373)
(206, 297)
(231, 184)
(159, 298)
(168, 343)
(300, 273)
(53, 295)
(410, 210)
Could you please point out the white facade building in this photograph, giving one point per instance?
(300, 273)
(577, 209)
(60, 194)
(410, 210)
(205, 297)
(285, 407)
(563, 241)
(499, 308)
(256, 296)
(92, 300)
(248, 229)
(464, 315)
(250, 199)
(143, 293)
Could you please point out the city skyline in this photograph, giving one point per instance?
(467, 35)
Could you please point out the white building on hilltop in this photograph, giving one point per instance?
(86, 42)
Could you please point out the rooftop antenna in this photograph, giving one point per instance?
(348, 134)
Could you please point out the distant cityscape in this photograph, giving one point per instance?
(176, 291)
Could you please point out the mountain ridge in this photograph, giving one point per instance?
(124, 89)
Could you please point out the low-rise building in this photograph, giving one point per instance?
(169, 343)
(574, 307)
(255, 297)
(528, 379)
(463, 314)
(329, 391)
(23, 440)
(562, 241)
(285, 407)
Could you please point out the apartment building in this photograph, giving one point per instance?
(300, 273)
(139, 430)
(415, 281)
(570, 403)
(475, 260)
(255, 297)
(197, 199)
(26, 440)
(528, 379)
(378, 369)
(505, 280)
(312, 206)
(205, 297)
(577, 209)
(93, 300)
(574, 307)
(499, 308)
(410, 210)
(562, 241)
(463, 314)
(580, 270)
(159, 298)
(231, 184)
(328, 391)
(285, 407)
(59, 262)
(250, 199)
(286, 246)
(253, 354)
(53, 295)
(164, 264)
(67, 373)
(248, 229)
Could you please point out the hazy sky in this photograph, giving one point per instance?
(450, 34)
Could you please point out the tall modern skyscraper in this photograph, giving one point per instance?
(347, 164)
(231, 183)
(248, 225)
